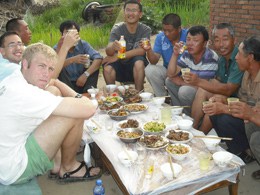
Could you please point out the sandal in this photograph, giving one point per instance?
(52, 175)
(67, 178)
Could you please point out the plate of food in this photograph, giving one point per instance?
(154, 127)
(106, 107)
(154, 142)
(129, 135)
(179, 136)
(130, 123)
(136, 108)
(131, 95)
(111, 100)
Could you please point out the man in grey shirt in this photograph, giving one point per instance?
(131, 68)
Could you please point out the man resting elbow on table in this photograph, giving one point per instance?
(35, 124)
(228, 121)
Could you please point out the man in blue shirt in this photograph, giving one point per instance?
(163, 46)
(74, 72)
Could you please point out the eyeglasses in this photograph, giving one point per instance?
(131, 10)
(13, 45)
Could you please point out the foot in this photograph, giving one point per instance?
(256, 175)
(247, 158)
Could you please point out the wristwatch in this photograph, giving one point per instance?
(86, 73)
(78, 95)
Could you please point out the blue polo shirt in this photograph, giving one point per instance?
(164, 47)
(76, 70)
(7, 68)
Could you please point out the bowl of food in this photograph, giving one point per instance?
(222, 158)
(211, 143)
(129, 135)
(93, 91)
(158, 100)
(185, 124)
(153, 127)
(176, 110)
(167, 171)
(154, 142)
(112, 100)
(127, 157)
(179, 136)
(127, 124)
(111, 88)
(136, 108)
(146, 96)
(118, 114)
(178, 151)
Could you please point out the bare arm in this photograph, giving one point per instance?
(153, 57)
(173, 68)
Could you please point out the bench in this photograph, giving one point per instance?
(30, 188)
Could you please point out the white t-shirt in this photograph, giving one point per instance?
(23, 107)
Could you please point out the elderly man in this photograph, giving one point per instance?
(198, 58)
(226, 119)
(31, 116)
(131, 68)
(163, 46)
(228, 77)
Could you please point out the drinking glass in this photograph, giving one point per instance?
(166, 115)
(141, 150)
(204, 160)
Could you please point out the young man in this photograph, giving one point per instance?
(228, 77)
(198, 58)
(19, 26)
(228, 120)
(163, 46)
(130, 69)
(74, 73)
(30, 116)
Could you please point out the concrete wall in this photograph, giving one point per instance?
(244, 15)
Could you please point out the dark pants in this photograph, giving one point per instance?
(91, 81)
(229, 126)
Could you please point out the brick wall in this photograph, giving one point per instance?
(244, 15)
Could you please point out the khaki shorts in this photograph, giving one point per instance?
(38, 161)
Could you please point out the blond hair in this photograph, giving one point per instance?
(39, 48)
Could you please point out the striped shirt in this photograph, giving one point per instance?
(206, 68)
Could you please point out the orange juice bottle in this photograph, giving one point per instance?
(121, 52)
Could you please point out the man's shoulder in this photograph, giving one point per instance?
(210, 53)
(144, 26)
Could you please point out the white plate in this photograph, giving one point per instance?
(163, 145)
(124, 121)
(136, 104)
(180, 142)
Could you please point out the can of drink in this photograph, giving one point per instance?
(87, 63)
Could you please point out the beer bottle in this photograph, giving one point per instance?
(121, 52)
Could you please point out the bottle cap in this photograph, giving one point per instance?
(99, 182)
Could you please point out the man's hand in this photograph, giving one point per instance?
(109, 60)
(79, 59)
(191, 78)
(241, 110)
(214, 108)
(81, 80)
(146, 46)
(177, 48)
(116, 45)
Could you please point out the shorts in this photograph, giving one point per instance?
(38, 161)
(124, 68)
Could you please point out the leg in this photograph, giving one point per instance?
(156, 75)
(173, 90)
(64, 77)
(66, 134)
(229, 126)
(138, 74)
(206, 125)
(109, 74)
(91, 81)
(186, 95)
(196, 109)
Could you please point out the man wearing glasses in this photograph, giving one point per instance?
(130, 69)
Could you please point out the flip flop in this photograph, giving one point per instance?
(52, 175)
(67, 178)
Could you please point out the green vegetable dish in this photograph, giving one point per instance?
(154, 126)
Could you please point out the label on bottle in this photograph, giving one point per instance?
(121, 53)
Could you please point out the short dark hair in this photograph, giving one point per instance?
(6, 34)
(172, 19)
(13, 24)
(223, 26)
(68, 25)
(252, 46)
(134, 2)
(199, 30)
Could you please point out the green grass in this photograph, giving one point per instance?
(45, 27)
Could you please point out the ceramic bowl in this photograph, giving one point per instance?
(127, 135)
(185, 124)
(222, 158)
(158, 100)
(174, 150)
(111, 88)
(122, 88)
(124, 157)
(176, 110)
(93, 91)
(167, 172)
(146, 96)
(211, 144)
(113, 116)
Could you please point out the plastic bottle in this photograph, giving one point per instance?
(121, 52)
(94, 100)
(99, 188)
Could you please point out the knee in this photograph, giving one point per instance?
(107, 69)
(139, 65)
(254, 140)
(149, 70)
(168, 83)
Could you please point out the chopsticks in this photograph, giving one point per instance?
(162, 96)
(92, 120)
(170, 161)
(213, 137)
(179, 106)
(128, 155)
